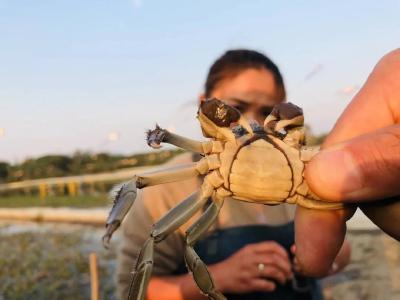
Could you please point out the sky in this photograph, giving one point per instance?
(94, 75)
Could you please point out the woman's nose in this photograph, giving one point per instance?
(252, 115)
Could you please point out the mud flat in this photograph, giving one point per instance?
(50, 261)
(374, 271)
(40, 260)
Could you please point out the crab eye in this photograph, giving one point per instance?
(219, 113)
(286, 111)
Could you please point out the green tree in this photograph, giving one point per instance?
(4, 169)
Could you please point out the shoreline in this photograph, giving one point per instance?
(98, 216)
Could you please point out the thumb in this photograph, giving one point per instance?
(363, 168)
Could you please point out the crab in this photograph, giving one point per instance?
(241, 161)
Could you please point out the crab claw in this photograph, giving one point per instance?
(124, 198)
(110, 228)
(155, 137)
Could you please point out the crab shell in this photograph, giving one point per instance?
(257, 167)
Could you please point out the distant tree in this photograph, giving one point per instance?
(4, 169)
(45, 166)
(79, 163)
(314, 139)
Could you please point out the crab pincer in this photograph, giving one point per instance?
(155, 137)
(123, 199)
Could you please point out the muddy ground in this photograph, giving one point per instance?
(50, 261)
(374, 271)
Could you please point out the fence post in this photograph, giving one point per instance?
(94, 276)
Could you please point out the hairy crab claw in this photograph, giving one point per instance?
(110, 228)
(123, 197)
(155, 137)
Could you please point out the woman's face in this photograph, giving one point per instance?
(253, 92)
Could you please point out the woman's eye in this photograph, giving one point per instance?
(266, 111)
(240, 108)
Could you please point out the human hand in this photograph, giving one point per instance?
(359, 162)
(241, 273)
(340, 262)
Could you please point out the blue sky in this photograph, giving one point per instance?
(72, 72)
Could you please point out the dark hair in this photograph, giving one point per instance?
(233, 62)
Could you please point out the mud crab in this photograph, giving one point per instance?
(242, 161)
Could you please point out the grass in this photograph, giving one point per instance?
(51, 265)
(54, 201)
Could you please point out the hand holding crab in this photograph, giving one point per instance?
(359, 163)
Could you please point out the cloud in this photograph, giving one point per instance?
(188, 105)
(113, 136)
(137, 3)
(314, 71)
(349, 90)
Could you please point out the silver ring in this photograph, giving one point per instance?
(260, 267)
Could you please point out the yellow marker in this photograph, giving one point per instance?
(42, 191)
(72, 189)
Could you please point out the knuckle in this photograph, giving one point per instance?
(246, 275)
(268, 260)
(269, 286)
(379, 163)
(270, 243)
(247, 248)
(273, 243)
(275, 273)
(277, 248)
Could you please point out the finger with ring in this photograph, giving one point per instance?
(260, 267)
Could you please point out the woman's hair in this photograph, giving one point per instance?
(232, 62)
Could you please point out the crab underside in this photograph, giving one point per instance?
(242, 161)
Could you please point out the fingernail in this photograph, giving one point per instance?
(338, 173)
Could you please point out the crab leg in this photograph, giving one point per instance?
(193, 262)
(158, 135)
(126, 195)
(169, 223)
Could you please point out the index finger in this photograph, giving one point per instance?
(270, 246)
